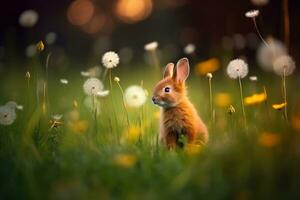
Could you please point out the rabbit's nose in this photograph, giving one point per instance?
(153, 99)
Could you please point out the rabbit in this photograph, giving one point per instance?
(178, 115)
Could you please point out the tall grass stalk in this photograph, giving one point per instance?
(156, 63)
(211, 100)
(284, 94)
(124, 105)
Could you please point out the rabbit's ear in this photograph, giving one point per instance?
(182, 70)
(169, 70)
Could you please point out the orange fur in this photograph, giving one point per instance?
(178, 115)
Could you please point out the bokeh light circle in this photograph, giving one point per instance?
(80, 12)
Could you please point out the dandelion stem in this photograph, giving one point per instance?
(285, 6)
(284, 94)
(259, 34)
(242, 101)
(211, 101)
(104, 74)
(123, 100)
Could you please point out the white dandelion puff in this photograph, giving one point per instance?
(57, 117)
(7, 115)
(209, 75)
(110, 59)
(20, 107)
(103, 93)
(284, 65)
(135, 96)
(92, 86)
(28, 18)
(64, 81)
(266, 55)
(252, 13)
(152, 46)
(50, 38)
(117, 79)
(237, 68)
(30, 50)
(189, 49)
(253, 78)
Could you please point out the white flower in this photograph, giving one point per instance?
(151, 46)
(92, 104)
(7, 115)
(260, 2)
(28, 18)
(135, 96)
(252, 13)
(284, 65)
(189, 49)
(92, 86)
(110, 59)
(253, 78)
(64, 81)
(85, 74)
(57, 117)
(266, 55)
(50, 38)
(117, 79)
(237, 68)
(103, 93)
(20, 107)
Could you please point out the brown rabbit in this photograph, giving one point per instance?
(178, 115)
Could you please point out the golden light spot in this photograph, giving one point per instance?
(296, 123)
(125, 160)
(132, 11)
(132, 134)
(269, 139)
(279, 106)
(79, 126)
(222, 100)
(80, 12)
(208, 66)
(255, 99)
(96, 24)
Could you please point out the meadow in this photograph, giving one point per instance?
(90, 131)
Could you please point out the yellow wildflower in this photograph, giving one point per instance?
(193, 149)
(255, 99)
(269, 139)
(132, 134)
(125, 160)
(208, 66)
(40, 46)
(222, 99)
(279, 106)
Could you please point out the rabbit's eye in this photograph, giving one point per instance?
(167, 89)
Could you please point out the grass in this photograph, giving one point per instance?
(65, 163)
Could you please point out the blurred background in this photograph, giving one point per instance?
(78, 32)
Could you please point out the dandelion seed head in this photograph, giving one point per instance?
(92, 86)
(209, 75)
(7, 115)
(28, 18)
(152, 46)
(135, 96)
(266, 55)
(64, 81)
(237, 68)
(30, 50)
(110, 59)
(94, 71)
(117, 79)
(284, 65)
(252, 13)
(27, 75)
(189, 49)
(253, 78)
(57, 117)
(85, 74)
